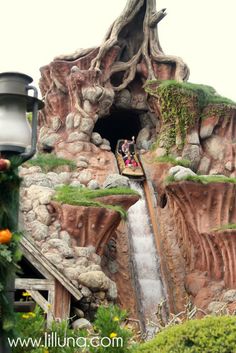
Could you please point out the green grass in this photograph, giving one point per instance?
(170, 159)
(203, 179)
(50, 162)
(78, 196)
(225, 227)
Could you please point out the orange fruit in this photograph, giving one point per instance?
(5, 236)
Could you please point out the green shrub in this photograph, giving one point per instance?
(108, 323)
(33, 325)
(208, 335)
(79, 196)
(50, 162)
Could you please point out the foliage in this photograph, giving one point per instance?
(74, 195)
(225, 227)
(208, 335)
(9, 256)
(170, 159)
(203, 179)
(50, 162)
(108, 323)
(33, 325)
(181, 104)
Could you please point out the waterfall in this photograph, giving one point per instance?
(145, 261)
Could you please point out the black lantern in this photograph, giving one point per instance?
(16, 134)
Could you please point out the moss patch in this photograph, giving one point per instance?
(50, 162)
(181, 104)
(225, 227)
(170, 159)
(78, 196)
(203, 179)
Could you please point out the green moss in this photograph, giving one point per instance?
(181, 104)
(74, 195)
(203, 179)
(49, 162)
(208, 335)
(226, 227)
(170, 159)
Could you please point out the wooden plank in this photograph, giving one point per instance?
(51, 306)
(34, 284)
(62, 302)
(40, 260)
(40, 300)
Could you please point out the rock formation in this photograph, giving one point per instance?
(125, 87)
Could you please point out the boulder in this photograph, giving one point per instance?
(87, 125)
(43, 215)
(50, 140)
(81, 324)
(39, 231)
(70, 121)
(115, 180)
(40, 193)
(193, 154)
(105, 147)
(84, 177)
(96, 138)
(37, 179)
(143, 136)
(95, 280)
(179, 172)
(229, 296)
(93, 185)
(217, 307)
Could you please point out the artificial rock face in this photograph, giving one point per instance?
(87, 85)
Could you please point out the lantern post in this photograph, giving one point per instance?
(17, 145)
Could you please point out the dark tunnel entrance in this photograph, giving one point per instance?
(121, 124)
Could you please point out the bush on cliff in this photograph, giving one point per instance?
(208, 335)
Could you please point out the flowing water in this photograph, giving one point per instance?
(145, 261)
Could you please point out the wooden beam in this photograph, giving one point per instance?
(42, 263)
(62, 302)
(34, 284)
(40, 300)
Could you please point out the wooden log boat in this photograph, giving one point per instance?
(131, 171)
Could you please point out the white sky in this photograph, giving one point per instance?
(202, 32)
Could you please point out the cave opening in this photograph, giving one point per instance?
(120, 124)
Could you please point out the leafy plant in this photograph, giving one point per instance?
(50, 162)
(9, 257)
(74, 195)
(108, 323)
(33, 326)
(208, 335)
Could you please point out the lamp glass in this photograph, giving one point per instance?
(15, 130)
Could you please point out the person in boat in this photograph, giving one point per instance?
(133, 162)
(125, 148)
(128, 147)
(128, 160)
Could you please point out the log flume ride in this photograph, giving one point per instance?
(133, 170)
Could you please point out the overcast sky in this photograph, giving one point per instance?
(202, 32)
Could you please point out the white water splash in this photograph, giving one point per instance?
(146, 264)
